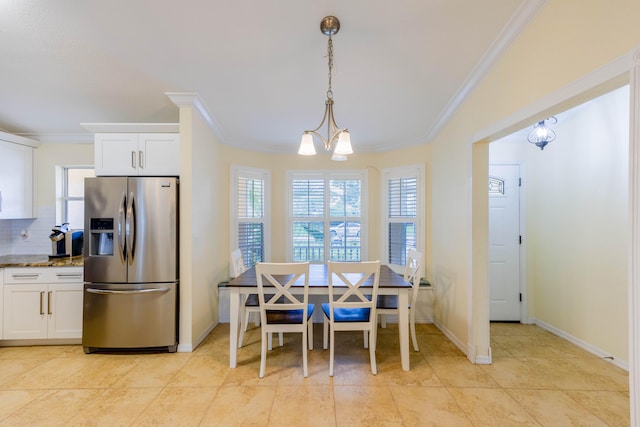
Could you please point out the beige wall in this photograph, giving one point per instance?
(576, 196)
(47, 157)
(573, 38)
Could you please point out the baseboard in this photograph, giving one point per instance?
(188, 348)
(622, 364)
(452, 338)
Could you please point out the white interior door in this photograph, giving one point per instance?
(504, 242)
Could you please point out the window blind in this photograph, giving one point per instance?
(251, 227)
(402, 217)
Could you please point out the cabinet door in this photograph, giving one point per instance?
(159, 154)
(116, 154)
(25, 308)
(64, 310)
(16, 181)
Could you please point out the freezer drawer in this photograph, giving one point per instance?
(129, 316)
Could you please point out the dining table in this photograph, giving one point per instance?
(389, 283)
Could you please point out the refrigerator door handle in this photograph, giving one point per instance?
(122, 223)
(130, 292)
(131, 228)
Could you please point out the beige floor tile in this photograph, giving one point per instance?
(365, 406)
(178, 406)
(101, 371)
(240, 406)
(203, 371)
(52, 408)
(524, 346)
(491, 407)
(564, 374)
(515, 373)
(421, 373)
(354, 368)
(610, 406)
(317, 367)
(46, 375)
(554, 408)
(307, 406)
(152, 370)
(428, 406)
(615, 378)
(13, 369)
(35, 352)
(437, 346)
(12, 400)
(459, 372)
(114, 407)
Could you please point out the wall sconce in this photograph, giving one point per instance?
(542, 134)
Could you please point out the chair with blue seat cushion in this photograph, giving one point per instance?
(388, 304)
(353, 289)
(250, 304)
(281, 310)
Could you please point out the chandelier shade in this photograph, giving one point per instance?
(329, 26)
(542, 134)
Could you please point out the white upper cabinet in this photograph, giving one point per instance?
(16, 177)
(146, 154)
(144, 149)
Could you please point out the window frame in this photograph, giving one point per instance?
(62, 189)
(328, 175)
(238, 171)
(409, 171)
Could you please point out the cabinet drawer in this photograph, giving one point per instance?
(43, 275)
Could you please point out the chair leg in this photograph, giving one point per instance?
(310, 334)
(331, 351)
(305, 371)
(366, 339)
(383, 320)
(270, 341)
(325, 334)
(257, 322)
(280, 338)
(412, 326)
(263, 354)
(372, 353)
(244, 321)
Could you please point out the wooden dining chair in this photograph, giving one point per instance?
(353, 310)
(280, 309)
(250, 304)
(388, 304)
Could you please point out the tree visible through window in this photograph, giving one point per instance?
(326, 217)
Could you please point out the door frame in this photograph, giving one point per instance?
(522, 248)
(621, 71)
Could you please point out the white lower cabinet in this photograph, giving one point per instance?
(42, 302)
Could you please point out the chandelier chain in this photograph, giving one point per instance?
(330, 61)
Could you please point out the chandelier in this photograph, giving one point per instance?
(542, 134)
(329, 27)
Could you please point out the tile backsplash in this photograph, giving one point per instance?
(28, 236)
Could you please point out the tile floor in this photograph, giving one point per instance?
(536, 379)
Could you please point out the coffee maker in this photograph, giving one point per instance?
(66, 242)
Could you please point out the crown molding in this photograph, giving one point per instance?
(131, 127)
(518, 22)
(191, 99)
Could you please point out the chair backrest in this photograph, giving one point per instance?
(276, 293)
(237, 263)
(413, 272)
(361, 280)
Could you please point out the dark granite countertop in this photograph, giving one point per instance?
(39, 261)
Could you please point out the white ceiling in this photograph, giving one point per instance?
(259, 67)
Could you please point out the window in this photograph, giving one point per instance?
(250, 192)
(326, 216)
(403, 213)
(73, 194)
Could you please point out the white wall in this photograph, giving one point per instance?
(576, 194)
(47, 157)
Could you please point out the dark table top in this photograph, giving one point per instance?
(319, 277)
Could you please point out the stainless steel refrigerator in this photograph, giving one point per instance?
(130, 263)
